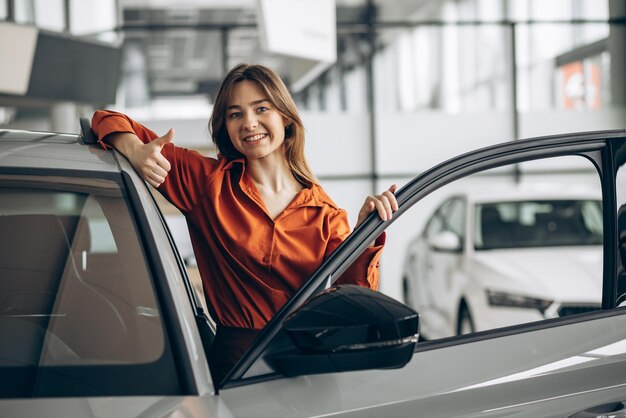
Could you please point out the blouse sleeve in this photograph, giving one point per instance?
(190, 173)
(364, 270)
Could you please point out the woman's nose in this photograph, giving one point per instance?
(249, 121)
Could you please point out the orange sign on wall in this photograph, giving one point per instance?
(581, 89)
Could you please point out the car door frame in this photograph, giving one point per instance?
(177, 297)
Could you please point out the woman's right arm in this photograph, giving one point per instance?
(146, 159)
(181, 175)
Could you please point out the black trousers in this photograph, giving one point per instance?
(228, 347)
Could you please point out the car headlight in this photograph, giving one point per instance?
(517, 301)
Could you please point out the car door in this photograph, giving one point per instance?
(550, 367)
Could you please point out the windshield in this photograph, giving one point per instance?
(538, 223)
(78, 312)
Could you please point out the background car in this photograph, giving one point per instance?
(98, 317)
(489, 259)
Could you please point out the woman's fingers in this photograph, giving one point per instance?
(148, 160)
(391, 198)
(384, 204)
(383, 207)
(154, 168)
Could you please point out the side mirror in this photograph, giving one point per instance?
(446, 241)
(347, 328)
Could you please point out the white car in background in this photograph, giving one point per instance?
(490, 260)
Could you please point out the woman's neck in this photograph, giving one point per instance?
(272, 174)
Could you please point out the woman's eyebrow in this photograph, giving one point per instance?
(254, 103)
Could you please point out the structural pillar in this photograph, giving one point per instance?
(64, 118)
(617, 50)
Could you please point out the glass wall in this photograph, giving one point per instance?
(46, 14)
(463, 75)
(83, 18)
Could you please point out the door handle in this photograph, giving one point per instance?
(609, 410)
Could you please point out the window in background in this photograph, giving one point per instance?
(50, 14)
(3, 10)
(552, 56)
(24, 11)
(356, 93)
(94, 16)
(453, 68)
(45, 14)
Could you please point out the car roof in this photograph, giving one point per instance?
(47, 150)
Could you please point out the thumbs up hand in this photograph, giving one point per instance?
(147, 159)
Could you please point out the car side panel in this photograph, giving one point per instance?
(119, 407)
(563, 369)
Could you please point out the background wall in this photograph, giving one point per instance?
(414, 83)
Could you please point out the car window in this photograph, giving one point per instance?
(77, 302)
(435, 224)
(537, 223)
(455, 217)
(535, 249)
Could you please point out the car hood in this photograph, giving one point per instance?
(120, 407)
(568, 274)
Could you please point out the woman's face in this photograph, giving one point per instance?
(254, 126)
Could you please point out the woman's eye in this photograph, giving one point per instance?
(235, 115)
(262, 109)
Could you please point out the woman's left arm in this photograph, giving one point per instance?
(364, 271)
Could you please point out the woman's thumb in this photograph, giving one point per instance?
(168, 137)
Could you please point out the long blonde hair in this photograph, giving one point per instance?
(273, 87)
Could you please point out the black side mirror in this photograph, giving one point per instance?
(347, 328)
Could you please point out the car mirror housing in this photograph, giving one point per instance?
(347, 328)
(446, 241)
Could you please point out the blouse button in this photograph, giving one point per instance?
(266, 259)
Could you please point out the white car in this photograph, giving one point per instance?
(492, 259)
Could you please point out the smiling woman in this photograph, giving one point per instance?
(259, 221)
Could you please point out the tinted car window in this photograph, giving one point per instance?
(77, 302)
(545, 223)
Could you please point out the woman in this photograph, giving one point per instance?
(259, 222)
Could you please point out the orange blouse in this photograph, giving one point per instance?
(250, 264)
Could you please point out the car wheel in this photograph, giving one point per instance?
(465, 324)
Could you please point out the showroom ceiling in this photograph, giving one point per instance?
(182, 48)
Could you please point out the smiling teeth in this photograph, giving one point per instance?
(254, 138)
